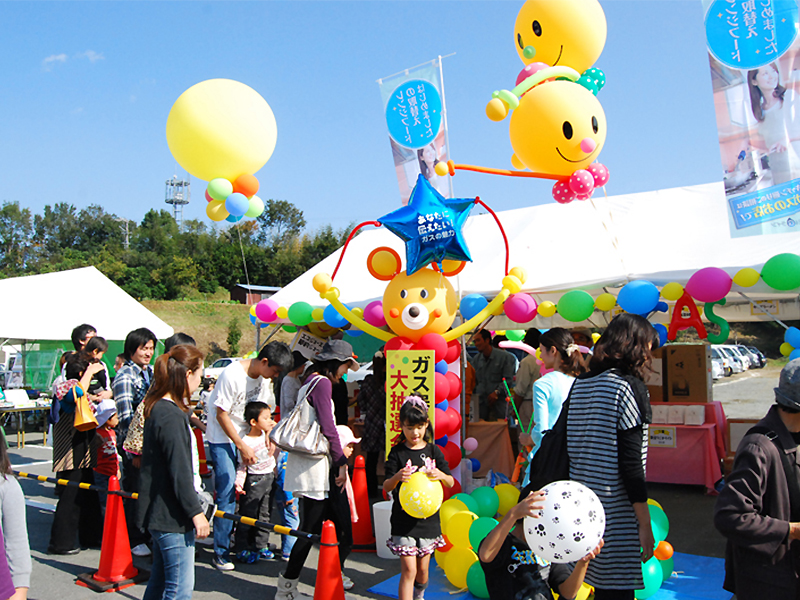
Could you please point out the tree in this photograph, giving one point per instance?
(234, 335)
(15, 233)
(280, 220)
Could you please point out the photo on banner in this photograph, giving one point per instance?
(413, 102)
(754, 53)
(408, 372)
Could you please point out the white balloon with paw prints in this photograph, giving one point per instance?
(569, 526)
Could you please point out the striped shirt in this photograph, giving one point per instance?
(599, 407)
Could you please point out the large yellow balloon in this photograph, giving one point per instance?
(457, 530)
(672, 291)
(216, 210)
(420, 497)
(508, 496)
(221, 128)
(459, 560)
(448, 509)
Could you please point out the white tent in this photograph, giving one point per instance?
(50, 306)
(597, 245)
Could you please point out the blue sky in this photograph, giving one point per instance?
(88, 87)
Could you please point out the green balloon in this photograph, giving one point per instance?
(469, 501)
(256, 207)
(782, 272)
(476, 581)
(289, 329)
(300, 313)
(576, 306)
(479, 529)
(515, 335)
(653, 576)
(667, 567)
(220, 188)
(488, 501)
(659, 523)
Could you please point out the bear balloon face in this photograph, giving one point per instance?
(568, 33)
(558, 128)
(424, 302)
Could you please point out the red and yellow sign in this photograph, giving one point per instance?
(408, 373)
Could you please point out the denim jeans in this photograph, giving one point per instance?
(172, 577)
(224, 458)
(290, 517)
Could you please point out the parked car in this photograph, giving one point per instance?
(718, 354)
(218, 366)
(717, 369)
(762, 360)
(743, 356)
(736, 363)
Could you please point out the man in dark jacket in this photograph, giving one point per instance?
(755, 509)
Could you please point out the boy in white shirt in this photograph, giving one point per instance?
(254, 482)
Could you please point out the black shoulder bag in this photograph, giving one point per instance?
(551, 461)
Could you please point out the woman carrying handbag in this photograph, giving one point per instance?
(318, 480)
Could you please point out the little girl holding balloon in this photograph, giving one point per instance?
(414, 539)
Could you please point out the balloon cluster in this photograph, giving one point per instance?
(466, 519)
(659, 568)
(791, 343)
(232, 200)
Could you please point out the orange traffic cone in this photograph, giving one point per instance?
(329, 584)
(201, 452)
(116, 563)
(363, 537)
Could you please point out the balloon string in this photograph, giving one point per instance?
(499, 224)
(350, 237)
(507, 172)
(244, 262)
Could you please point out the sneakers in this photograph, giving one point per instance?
(222, 564)
(141, 550)
(247, 557)
(347, 582)
(265, 554)
(285, 557)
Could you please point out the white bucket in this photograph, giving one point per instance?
(381, 514)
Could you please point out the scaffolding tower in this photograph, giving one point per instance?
(178, 193)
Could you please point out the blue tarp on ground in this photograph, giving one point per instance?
(694, 578)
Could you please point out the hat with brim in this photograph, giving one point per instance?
(346, 436)
(105, 410)
(788, 391)
(338, 350)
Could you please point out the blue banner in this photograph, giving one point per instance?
(777, 203)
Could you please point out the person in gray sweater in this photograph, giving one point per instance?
(14, 531)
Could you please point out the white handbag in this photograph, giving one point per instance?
(300, 430)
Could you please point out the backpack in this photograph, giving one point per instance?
(551, 461)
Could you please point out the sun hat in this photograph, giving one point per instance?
(788, 391)
(338, 350)
(346, 436)
(105, 410)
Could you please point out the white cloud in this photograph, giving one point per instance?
(50, 61)
(91, 55)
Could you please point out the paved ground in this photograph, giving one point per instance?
(746, 395)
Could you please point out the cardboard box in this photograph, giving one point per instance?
(655, 382)
(688, 373)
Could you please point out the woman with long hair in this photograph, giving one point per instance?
(609, 410)
(319, 480)
(16, 558)
(560, 354)
(169, 507)
(778, 127)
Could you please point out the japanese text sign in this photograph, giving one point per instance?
(408, 373)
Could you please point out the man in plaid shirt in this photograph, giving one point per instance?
(130, 387)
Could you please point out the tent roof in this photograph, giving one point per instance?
(50, 306)
(660, 236)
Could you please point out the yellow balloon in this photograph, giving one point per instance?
(508, 495)
(585, 591)
(519, 273)
(605, 302)
(441, 169)
(322, 282)
(458, 528)
(282, 312)
(449, 508)
(221, 128)
(786, 349)
(216, 210)
(253, 310)
(652, 502)
(547, 309)
(441, 557)
(672, 291)
(746, 277)
(421, 497)
(595, 336)
(458, 562)
(317, 313)
(512, 283)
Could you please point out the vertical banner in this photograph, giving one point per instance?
(413, 102)
(408, 372)
(755, 73)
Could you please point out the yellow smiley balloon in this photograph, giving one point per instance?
(570, 33)
(420, 303)
(558, 128)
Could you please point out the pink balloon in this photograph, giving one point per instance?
(581, 182)
(265, 310)
(562, 192)
(529, 70)
(208, 198)
(435, 342)
(441, 387)
(520, 308)
(599, 173)
(709, 284)
(470, 444)
(373, 314)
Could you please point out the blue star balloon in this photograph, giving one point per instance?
(430, 226)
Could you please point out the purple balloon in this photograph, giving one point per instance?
(266, 309)
(373, 314)
(709, 284)
(520, 308)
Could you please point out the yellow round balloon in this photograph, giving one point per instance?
(459, 560)
(322, 282)
(221, 128)
(605, 302)
(746, 277)
(672, 291)
(253, 310)
(508, 495)
(282, 312)
(595, 337)
(448, 509)
(547, 309)
(441, 557)
(585, 591)
(519, 273)
(317, 314)
(786, 349)
(216, 210)
(458, 528)
(512, 284)
(421, 497)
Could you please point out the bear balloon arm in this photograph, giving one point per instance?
(476, 320)
(357, 321)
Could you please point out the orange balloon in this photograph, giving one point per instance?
(246, 184)
(663, 550)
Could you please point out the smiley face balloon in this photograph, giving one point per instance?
(564, 32)
(420, 303)
(558, 128)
